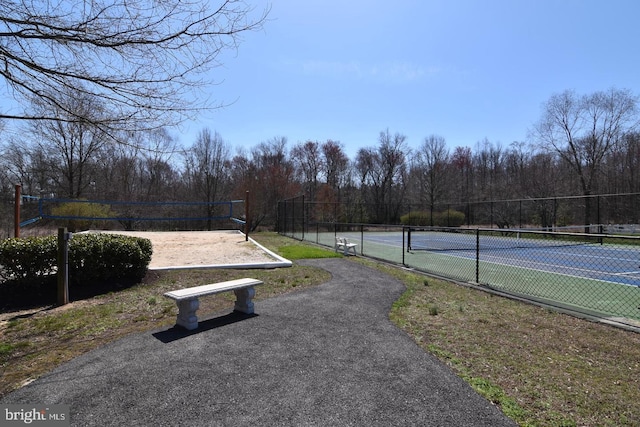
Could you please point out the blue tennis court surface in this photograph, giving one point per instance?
(608, 263)
(604, 262)
(573, 271)
(596, 262)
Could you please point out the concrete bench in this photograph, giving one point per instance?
(188, 303)
(343, 244)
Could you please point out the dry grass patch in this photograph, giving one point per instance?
(542, 367)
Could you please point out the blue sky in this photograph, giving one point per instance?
(462, 69)
(465, 70)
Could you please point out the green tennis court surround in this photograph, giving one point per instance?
(594, 274)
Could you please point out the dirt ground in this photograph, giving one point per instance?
(192, 248)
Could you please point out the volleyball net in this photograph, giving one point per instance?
(130, 214)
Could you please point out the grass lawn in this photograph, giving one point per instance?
(542, 368)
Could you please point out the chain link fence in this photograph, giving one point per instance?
(594, 274)
(597, 275)
(551, 213)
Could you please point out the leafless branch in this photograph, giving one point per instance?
(147, 60)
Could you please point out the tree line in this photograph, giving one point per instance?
(581, 145)
(101, 85)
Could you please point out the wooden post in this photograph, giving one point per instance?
(63, 266)
(246, 216)
(16, 211)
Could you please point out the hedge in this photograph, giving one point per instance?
(28, 259)
(92, 258)
(108, 256)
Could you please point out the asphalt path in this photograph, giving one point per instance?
(324, 356)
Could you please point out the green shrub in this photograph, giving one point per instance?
(449, 218)
(84, 214)
(101, 257)
(92, 258)
(28, 259)
(416, 218)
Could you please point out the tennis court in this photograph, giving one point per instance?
(584, 259)
(571, 271)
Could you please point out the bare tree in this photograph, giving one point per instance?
(206, 162)
(432, 161)
(308, 163)
(545, 180)
(582, 130)
(462, 159)
(244, 177)
(383, 174)
(275, 179)
(157, 172)
(489, 168)
(630, 163)
(516, 160)
(145, 59)
(119, 175)
(335, 164)
(28, 166)
(70, 145)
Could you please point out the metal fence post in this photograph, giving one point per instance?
(63, 266)
(403, 246)
(478, 255)
(16, 215)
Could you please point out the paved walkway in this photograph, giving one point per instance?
(326, 356)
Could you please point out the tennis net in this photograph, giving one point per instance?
(456, 239)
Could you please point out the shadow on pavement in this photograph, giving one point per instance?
(178, 332)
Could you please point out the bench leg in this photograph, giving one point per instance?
(187, 313)
(244, 300)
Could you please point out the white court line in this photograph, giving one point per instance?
(599, 279)
(626, 273)
(536, 265)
